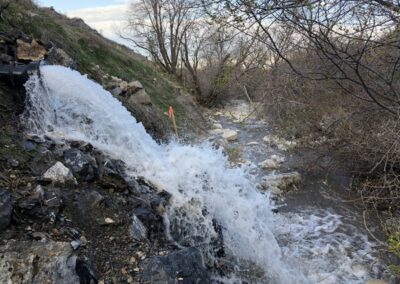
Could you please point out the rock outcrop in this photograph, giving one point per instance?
(39, 262)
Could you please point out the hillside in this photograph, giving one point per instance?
(100, 58)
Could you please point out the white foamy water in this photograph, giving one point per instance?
(65, 104)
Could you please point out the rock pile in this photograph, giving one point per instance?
(19, 48)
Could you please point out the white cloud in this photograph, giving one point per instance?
(107, 20)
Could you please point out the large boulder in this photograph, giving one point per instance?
(184, 266)
(5, 209)
(39, 262)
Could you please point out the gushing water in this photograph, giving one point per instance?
(66, 105)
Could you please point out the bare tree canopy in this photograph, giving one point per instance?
(348, 35)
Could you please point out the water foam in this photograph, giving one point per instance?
(64, 104)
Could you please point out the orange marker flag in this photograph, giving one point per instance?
(171, 116)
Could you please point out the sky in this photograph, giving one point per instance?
(106, 16)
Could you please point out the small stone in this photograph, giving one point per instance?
(76, 244)
(12, 176)
(109, 221)
(137, 230)
(136, 269)
(217, 126)
(13, 163)
(134, 86)
(123, 86)
(39, 236)
(83, 240)
(132, 260)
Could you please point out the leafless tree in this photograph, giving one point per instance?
(347, 35)
(159, 27)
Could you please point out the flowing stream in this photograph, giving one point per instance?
(311, 247)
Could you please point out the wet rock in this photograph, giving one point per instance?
(84, 146)
(281, 182)
(149, 208)
(5, 209)
(279, 143)
(57, 56)
(76, 244)
(31, 51)
(141, 97)
(81, 164)
(59, 174)
(272, 163)
(229, 134)
(137, 230)
(186, 265)
(112, 174)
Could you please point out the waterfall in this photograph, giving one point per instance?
(64, 104)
